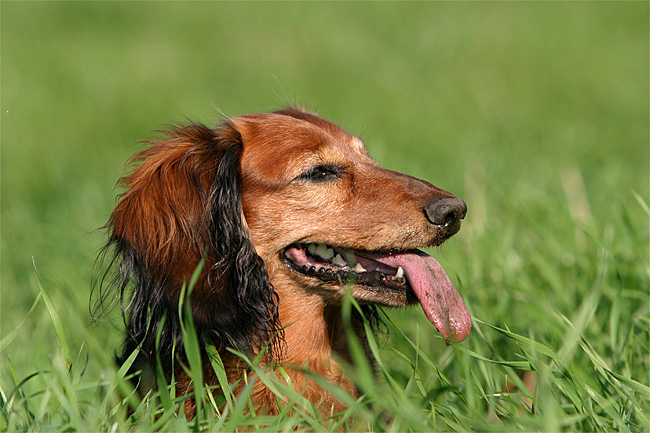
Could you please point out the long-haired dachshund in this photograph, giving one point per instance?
(289, 212)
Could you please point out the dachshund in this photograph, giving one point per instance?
(287, 212)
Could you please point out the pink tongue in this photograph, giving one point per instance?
(439, 298)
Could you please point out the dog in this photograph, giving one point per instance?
(287, 212)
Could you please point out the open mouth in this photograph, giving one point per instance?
(411, 274)
(342, 266)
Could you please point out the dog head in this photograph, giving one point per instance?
(278, 205)
(326, 217)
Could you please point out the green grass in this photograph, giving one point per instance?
(535, 113)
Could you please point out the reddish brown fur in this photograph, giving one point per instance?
(163, 217)
(163, 199)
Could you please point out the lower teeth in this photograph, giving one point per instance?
(348, 271)
(345, 276)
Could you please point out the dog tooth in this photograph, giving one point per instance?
(324, 251)
(359, 269)
(400, 272)
(311, 248)
(338, 260)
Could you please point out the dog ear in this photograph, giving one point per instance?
(183, 203)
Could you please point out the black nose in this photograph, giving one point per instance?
(446, 212)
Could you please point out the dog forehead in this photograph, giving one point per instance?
(281, 147)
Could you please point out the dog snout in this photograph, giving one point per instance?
(446, 213)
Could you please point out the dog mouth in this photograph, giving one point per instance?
(341, 266)
(408, 275)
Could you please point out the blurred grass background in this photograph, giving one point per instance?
(535, 113)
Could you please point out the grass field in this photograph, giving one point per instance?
(535, 113)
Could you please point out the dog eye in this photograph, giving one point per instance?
(321, 173)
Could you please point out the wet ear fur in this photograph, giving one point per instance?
(182, 203)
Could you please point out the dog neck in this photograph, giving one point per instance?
(315, 342)
(315, 336)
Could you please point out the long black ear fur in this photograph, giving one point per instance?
(184, 203)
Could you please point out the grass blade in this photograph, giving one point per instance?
(56, 319)
(10, 337)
